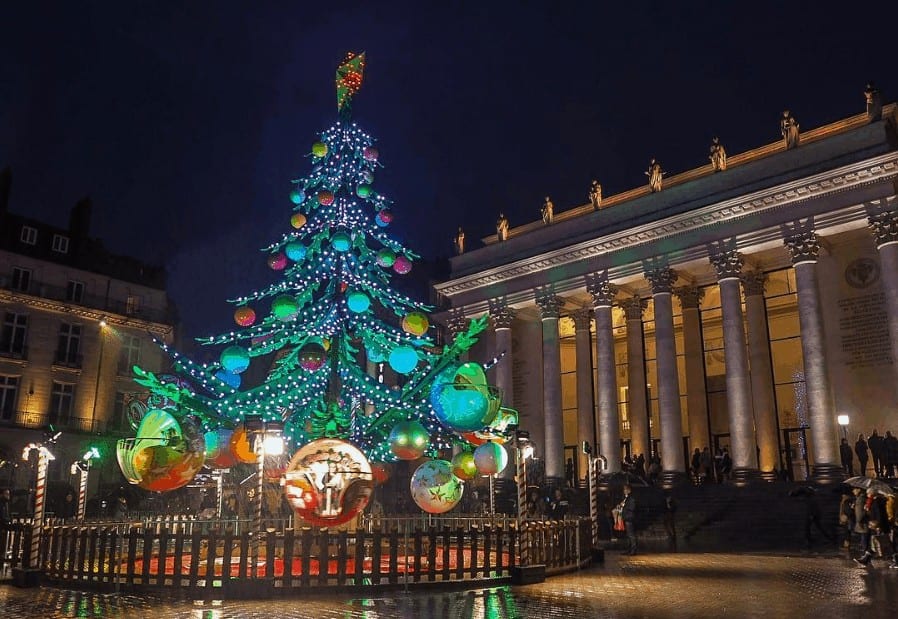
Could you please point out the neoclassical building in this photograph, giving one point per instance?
(746, 304)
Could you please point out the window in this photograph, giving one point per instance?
(62, 398)
(21, 279)
(130, 354)
(119, 420)
(12, 338)
(29, 235)
(9, 390)
(60, 243)
(74, 291)
(133, 306)
(68, 351)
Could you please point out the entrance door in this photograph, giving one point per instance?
(794, 458)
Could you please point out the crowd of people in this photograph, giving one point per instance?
(872, 516)
(881, 452)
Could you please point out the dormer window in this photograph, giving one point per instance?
(61, 243)
(29, 235)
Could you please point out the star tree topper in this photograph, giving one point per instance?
(349, 79)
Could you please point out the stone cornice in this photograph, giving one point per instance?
(768, 201)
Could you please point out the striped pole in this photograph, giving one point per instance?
(43, 460)
(257, 516)
(594, 500)
(82, 493)
(523, 543)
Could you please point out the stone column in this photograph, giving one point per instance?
(586, 428)
(762, 391)
(884, 226)
(696, 388)
(743, 447)
(502, 316)
(673, 463)
(637, 400)
(549, 306)
(609, 415)
(803, 247)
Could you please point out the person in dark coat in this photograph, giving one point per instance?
(876, 521)
(847, 457)
(860, 448)
(811, 513)
(875, 445)
(5, 518)
(628, 515)
(889, 455)
(558, 506)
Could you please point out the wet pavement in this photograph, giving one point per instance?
(651, 585)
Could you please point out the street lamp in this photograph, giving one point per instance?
(268, 441)
(82, 467)
(843, 423)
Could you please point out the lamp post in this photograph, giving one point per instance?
(843, 423)
(82, 467)
(29, 576)
(267, 441)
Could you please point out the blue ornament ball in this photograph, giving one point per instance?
(375, 355)
(234, 359)
(403, 359)
(297, 196)
(358, 302)
(228, 378)
(341, 241)
(295, 250)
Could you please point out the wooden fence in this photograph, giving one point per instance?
(219, 563)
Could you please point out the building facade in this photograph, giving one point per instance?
(75, 320)
(746, 305)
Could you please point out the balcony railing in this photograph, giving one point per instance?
(31, 420)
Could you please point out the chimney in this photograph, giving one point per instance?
(79, 219)
(5, 186)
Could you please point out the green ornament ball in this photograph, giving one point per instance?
(341, 242)
(363, 191)
(284, 308)
(319, 149)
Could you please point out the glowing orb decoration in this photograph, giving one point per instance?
(244, 316)
(380, 222)
(415, 323)
(375, 355)
(461, 398)
(403, 359)
(370, 153)
(297, 196)
(386, 257)
(230, 379)
(408, 440)
(434, 488)
(363, 191)
(241, 448)
(358, 302)
(166, 453)
(325, 198)
(277, 262)
(312, 356)
(284, 308)
(328, 482)
(490, 458)
(319, 149)
(295, 250)
(234, 359)
(402, 265)
(341, 242)
(463, 465)
(297, 220)
(218, 448)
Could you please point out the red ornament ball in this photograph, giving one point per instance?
(244, 316)
(370, 153)
(325, 198)
(386, 215)
(402, 265)
(277, 261)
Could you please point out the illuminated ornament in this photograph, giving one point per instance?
(415, 323)
(380, 471)
(500, 428)
(241, 448)
(370, 153)
(461, 398)
(403, 359)
(386, 257)
(341, 242)
(284, 308)
(380, 222)
(234, 359)
(367, 177)
(244, 316)
(228, 378)
(312, 356)
(434, 488)
(297, 220)
(408, 440)
(165, 455)
(218, 448)
(374, 355)
(490, 458)
(277, 261)
(363, 191)
(463, 465)
(328, 482)
(343, 286)
(319, 149)
(349, 79)
(402, 265)
(295, 250)
(297, 196)
(325, 198)
(358, 302)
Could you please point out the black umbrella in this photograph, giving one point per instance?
(868, 483)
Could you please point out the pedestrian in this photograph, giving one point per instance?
(846, 518)
(706, 464)
(628, 514)
(558, 506)
(892, 519)
(889, 455)
(5, 525)
(639, 466)
(847, 457)
(875, 523)
(69, 507)
(696, 465)
(811, 513)
(654, 469)
(670, 522)
(860, 448)
(726, 464)
(535, 505)
(875, 445)
(120, 508)
(569, 473)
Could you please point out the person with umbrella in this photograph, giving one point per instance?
(876, 523)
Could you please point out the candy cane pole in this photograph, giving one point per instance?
(81, 470)
(43, 460)
(594, 500)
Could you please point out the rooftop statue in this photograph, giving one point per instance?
(656, 175)
(595, 195)
(460, 242)
(789, 129)
(548, 211)
(718, 156)
(874, 102)
(502, 227)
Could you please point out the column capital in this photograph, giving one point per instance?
(662, 279)
(549, 304)
(582, 319)
(884, 227)
(690, 296)
(728, 264)
(802, 243)
(457, 323)
(602, 291)
(500, 314)
(754, 283)
(633, 307)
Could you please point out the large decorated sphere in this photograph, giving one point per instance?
(341, 241)
(409, 440)
(463, 465)
(234, 359)
(312, 356)
(363, 191)
(166, 453)
(403, 359)
(386, 257)
(284, 308)
(295, 250)
(357, 301)
(242, 448)
(415, 323)
(461, 398)
(244, 316)
(325, 198)
(297, 196)
(277, 262)
(490, 458)
(434, 488)
(319, 149)
(402, 265)
(218, 448)
(328, 482)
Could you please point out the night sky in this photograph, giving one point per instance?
(185, 121)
